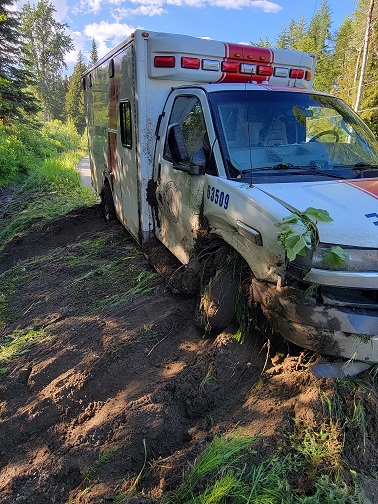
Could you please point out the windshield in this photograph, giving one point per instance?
(292, 133)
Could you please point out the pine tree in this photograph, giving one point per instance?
(57, 106)
(318, 40)
(345, 55)
(47, 44)
(263, 43)
(16, 100)
(74, 104)
(93, 58)
(293, 37)
(348, 53)
(314, 38)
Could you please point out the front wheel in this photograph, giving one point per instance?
(107, 204)
(216, 306)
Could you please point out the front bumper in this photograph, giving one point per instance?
(336, 327)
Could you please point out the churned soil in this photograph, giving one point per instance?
(128, 394)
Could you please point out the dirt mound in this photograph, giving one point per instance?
(43, 237)
(120, 390)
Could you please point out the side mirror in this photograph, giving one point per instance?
(198, 163)
(177, 145)
(180, 154)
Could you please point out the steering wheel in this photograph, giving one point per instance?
(326, 132)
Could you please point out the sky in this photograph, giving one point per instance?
(238, 21)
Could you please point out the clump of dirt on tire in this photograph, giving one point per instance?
(135, 385)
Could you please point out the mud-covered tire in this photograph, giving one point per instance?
(216, 305)
(107, 204)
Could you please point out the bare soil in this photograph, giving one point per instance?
(79, 411)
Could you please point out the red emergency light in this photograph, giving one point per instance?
(296, 73)
(164, 61)
(264, 70)
(230, 66)
(194, 63)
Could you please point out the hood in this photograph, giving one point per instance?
(352, 204)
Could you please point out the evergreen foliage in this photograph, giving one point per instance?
(74, 104)
(93, 57)
(47, 44)
(16, 100)
(315, 38)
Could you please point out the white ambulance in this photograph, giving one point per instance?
(224, 151)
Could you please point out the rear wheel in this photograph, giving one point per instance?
(107, 204)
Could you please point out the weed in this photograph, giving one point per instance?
(107, 455)
(148, 333)
(300, 233)
(208, 378)
(131, 491)
(328, 492)
(319, 446)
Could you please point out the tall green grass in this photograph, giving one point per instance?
(226, 472)
(22, 148)
(42, 164)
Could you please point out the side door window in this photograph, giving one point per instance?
(125, 123)
(187, 112)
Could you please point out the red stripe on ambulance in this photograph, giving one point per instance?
(367, 186)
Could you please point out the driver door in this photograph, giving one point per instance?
(180, 193)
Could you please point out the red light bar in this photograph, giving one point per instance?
(230, 67)
(296, 73)
(264, 70)
(194, 63)
(164, 61)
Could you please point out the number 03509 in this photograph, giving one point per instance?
(218, 197)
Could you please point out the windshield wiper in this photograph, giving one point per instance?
(279, 166)
(364, 170)
(357, 165)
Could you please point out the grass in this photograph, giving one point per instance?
(320, 446)
(226, 472)
(18, 343)
(110, 284)
(11, 283)
(133, 486)
(52, 189)
(105, 457)
(217, 461)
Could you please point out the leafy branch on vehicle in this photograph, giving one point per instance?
(296, 240)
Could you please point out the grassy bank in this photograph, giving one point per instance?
(38, 167)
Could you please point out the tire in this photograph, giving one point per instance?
(216, 306)
(108, 204)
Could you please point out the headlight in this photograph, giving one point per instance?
(357, 259)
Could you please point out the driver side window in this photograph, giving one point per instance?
(187, 111)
